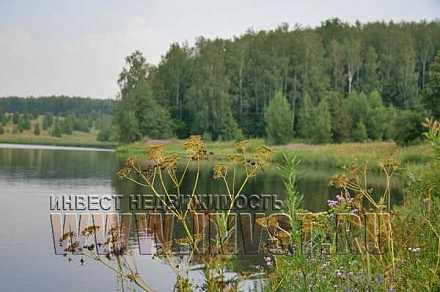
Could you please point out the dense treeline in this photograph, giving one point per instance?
(57, 115)
(56, 126)
(56, 105)
(342, 82)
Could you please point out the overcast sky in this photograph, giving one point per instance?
(78, 47)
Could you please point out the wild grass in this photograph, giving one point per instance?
(328, 155)
(396, 249)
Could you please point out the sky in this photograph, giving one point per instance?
(77, 47)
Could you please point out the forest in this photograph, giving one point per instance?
(337, 82)
(55, 116)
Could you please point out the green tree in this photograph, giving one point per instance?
(279, 120)
(15, 118)
(137, 113)
(209, 101)
(56, 130)
(24, 123)
(104, 135)
(67, 125)
(407, 127)
(37, 129)
(322, 127)
(360, 132)
(305, 117)
(47, 121)
(153, 120)
(340, 117)
(230, 130)
(126, 124)
(376, 119)
(432, 90)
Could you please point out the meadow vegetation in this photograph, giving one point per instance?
(325, 156)
(360, 243)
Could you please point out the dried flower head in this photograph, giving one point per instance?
(340, 181)
(220, 171)
(195, 148)
(241, 146)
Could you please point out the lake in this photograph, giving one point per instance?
(29, 175)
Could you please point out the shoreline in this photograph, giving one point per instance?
(111, 147)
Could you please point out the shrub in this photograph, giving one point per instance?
(104, 135)
(37, 129)
(407, 127)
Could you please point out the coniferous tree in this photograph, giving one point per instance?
(279, 120)
(376, 118)
(322, 127)
(340, 117)
(432, 91)
(360, 132)
(305, 117)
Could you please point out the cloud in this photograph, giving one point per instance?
(79, 50)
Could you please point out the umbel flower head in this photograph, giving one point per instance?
(195, 148)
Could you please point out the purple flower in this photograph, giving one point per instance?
(332, 203)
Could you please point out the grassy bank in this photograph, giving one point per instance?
(329, 155)
(76, 139)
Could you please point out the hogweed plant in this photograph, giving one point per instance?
(154, 173)
(360, 243)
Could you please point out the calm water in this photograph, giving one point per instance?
(30, 174)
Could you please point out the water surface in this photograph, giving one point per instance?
(30, 174)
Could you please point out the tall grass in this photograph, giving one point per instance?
(328, 156)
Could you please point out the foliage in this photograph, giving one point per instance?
(56, 105)
(409, 254)
(432, 90)
(104, 135)
(407, 127)
(37, 129)
(305, 117)
(56, 130)
(47, 121)
(321, 131)
(279, 120)
(137, 113)
(361, 69)
(360, 132)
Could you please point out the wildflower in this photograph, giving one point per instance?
(195, 148)
(268, 261)
(220, 171)
(156, 153)
(339, 181)
(241, 146)
(332, 203)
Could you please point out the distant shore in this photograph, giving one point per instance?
(77, 139)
